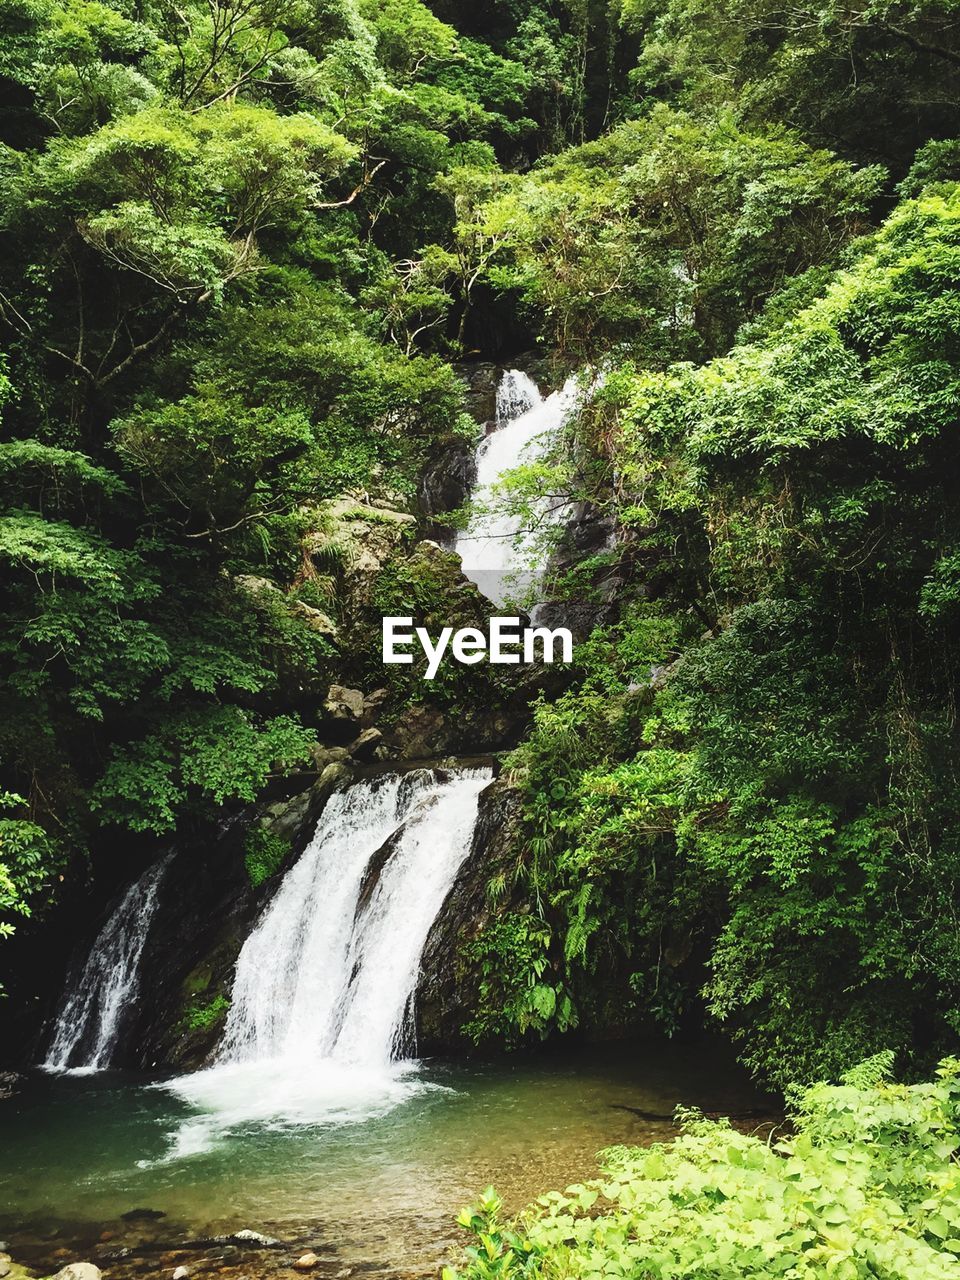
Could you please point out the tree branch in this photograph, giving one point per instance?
(340, 204)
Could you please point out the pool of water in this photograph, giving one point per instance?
(368, 1172)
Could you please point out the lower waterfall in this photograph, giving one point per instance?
(320, 1014)
(90, 1017)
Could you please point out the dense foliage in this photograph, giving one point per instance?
(866, 1184)
(785, 842)
(243, 240)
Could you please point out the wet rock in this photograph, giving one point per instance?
(362, 748)
(8, 1083)
(181, 1273)
(322, 756)
(288, 818)
(481, 379)
(242, 1239)
(79, 1271)
(306, 1262)
(448, 989)
(445, 486)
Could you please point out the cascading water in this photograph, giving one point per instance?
(496, 547)
(90, 1018)
(323, 988)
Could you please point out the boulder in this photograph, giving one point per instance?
(343, 704)
(373, 704)
(79, 1271)
(362, 537)
(248, 1239)
(255, 586)
(362, 748)
(353, 510)
(316, 619)
(289, 818)
(322, 756)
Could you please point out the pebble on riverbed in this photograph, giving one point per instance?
(306, 1262)
(181, 1273)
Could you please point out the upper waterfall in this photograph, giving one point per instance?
(90, 1016)
(497, 548)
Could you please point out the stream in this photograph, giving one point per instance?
(375, 1187)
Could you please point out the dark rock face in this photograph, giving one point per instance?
(207, 909)
(588, 533)
(448, 989)
(445, 486)
(480, 378)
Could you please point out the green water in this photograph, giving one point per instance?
(380, 1189)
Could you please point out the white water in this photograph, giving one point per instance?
(321, 1003)
(499, 549)
(89, 1019)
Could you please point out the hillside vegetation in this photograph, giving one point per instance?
(242, 243)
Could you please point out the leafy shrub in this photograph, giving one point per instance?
(264, 854)
(867, 1185)
(200, 1014)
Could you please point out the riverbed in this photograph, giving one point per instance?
(369, 1174)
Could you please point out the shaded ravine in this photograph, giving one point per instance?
(315, 1123)
(301, 1008)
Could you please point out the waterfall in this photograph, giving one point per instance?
(322, 996)
(93, 1008)
(496, 548)
(517, 394)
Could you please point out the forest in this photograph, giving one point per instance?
(251, 252)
